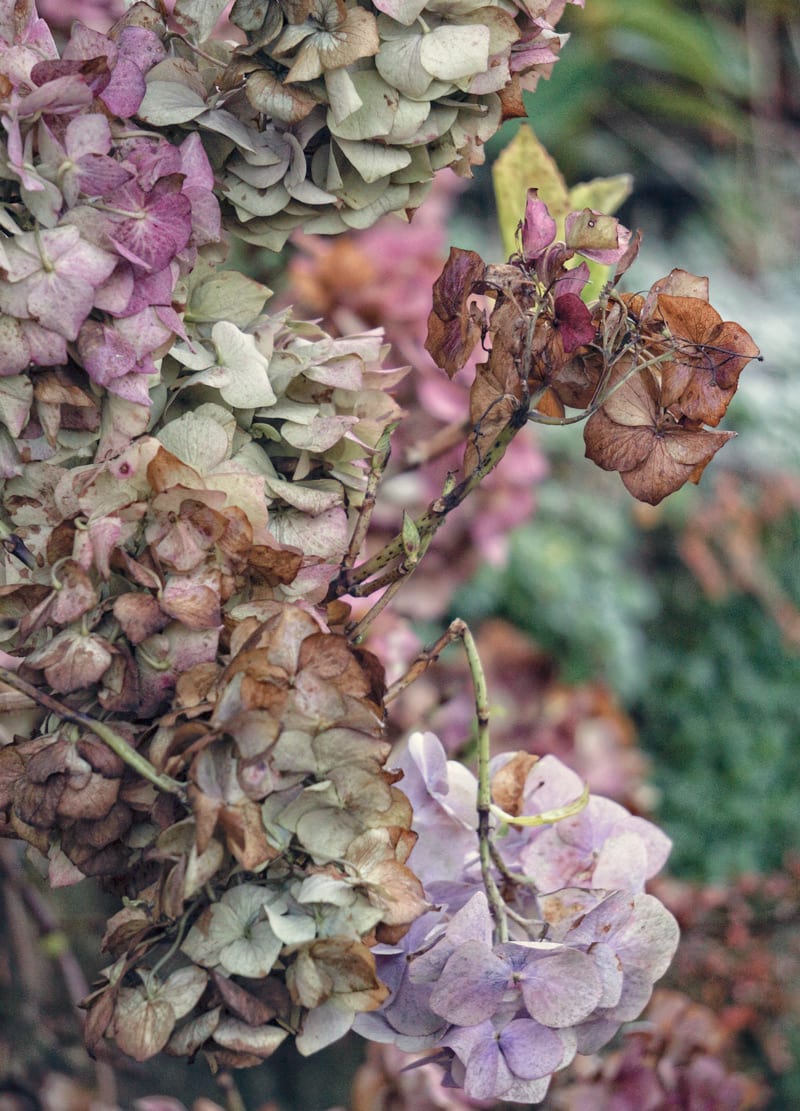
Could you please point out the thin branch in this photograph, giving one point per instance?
(423, 661)
(115, 742)
(429, 522)
(377, 466)
(496, 902)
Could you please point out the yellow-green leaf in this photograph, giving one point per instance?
(524, 165)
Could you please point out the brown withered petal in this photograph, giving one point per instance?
(36, 804)
(452, 331)
(576, 381)
(268, 94)
(330, 657)
(12, 768)
(119, 691)
(75, 594)
(93, 800)
(99, 1017)
(261, 1041)
(491, 407)
(72, 661)
(509, 782)
(39, 838)
(186, 1041)
(676, 458)
(245, 836)
(615, 447)
(142, 1026)
(111, 860)
(710, 356)
(238, 535)
(139, 616)
(196, 606)
(680, 283)
(96, 753)
(275, 566)
(242, 1003)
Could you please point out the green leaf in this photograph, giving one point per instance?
(603, 194)
(524, 165)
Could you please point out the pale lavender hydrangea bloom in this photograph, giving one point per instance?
(507, 1015)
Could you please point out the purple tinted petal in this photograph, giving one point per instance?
(621, 864)
(114, 295)
(531, 1050)
(125, 91)
(104, 353)
(141, 46)
(487, 1074)
(84, 43)
(550, 785)
(574, 280)
(89, 134)
(61, 303)
(157, 234)
(195, 164)
(538, 227)
(134, 387)
(471, 986)
(561, 989)
(98, 175)
(574, 321)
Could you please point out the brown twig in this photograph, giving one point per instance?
(426, 525)
(377, 466)
(115, 742)
(423, 661)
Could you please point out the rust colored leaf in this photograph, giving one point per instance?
(452, 331)
(710, 354)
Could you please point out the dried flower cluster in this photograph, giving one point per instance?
(333, 112)
(650, 372)
(178, 471)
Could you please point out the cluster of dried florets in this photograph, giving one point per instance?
(333, 112)
(178, 469)
(261, 884)
(649, 372)
(583, 942)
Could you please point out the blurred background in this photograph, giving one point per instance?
(658, 650)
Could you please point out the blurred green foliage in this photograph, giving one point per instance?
(720, 717)
(711, 684)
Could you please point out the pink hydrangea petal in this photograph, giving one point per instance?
(538, 227)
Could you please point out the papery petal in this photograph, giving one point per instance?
(538, 227)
